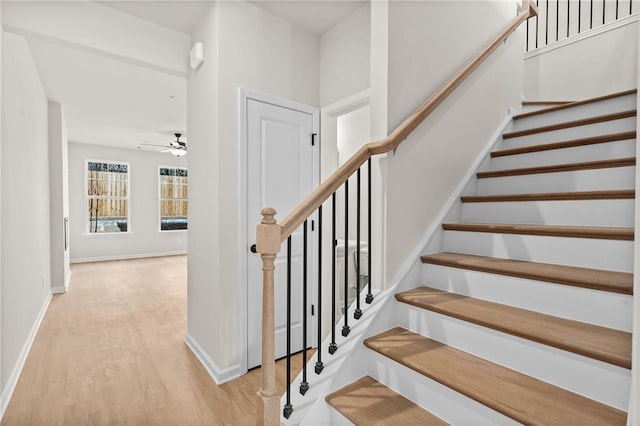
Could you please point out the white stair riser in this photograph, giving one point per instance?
(572, 133)
(612, 310)
(573, 372)
(440, 400)
(609, 106)
(583, 180)
(569, 212)
(579, 154)
(582, 252)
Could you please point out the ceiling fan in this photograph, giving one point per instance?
(177, 147)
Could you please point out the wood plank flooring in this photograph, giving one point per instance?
(111, 352)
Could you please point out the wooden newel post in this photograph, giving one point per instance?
(268, 242)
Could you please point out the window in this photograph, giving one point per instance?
(108, 196)
(173, 198)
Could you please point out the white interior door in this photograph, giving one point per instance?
(281, 170)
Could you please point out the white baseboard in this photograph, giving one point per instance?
(218, 375)
(7, 391)
(127, 256)
(62, 289)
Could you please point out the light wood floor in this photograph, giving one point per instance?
(111, 352)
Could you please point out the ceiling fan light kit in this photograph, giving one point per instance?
(177, 147)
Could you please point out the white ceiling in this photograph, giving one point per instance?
(314, 15)
(317, 16)
(180, 16)
(116, 103)
(111, 102)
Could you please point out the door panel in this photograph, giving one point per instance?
(280, 173)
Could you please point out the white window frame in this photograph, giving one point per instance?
(160, 199)
(87, 231)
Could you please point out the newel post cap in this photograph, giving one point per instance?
(268, 233)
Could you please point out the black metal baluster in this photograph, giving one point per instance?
(369, 298)
(591, 14)
(527, 42)
(319, 365)
(630, 7)
(579, 15)
(537, 24)
(604, 8)
(616, 10)
(345, 327)
(546, 23)
(332, 346)
(304, 386)
(557, 18)
(288, 408)
(358, 312)
(568, 15)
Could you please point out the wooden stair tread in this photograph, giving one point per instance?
(545, 102)
(597, 279)
(569, 124)
(569, 167)
(593, 341)
(566, 105)
(369, 402)
(597, 232)
(613, 137)
(511, 393)
(552, 196)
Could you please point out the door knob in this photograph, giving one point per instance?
(253, 248)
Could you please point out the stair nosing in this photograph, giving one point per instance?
(570, 124)
(471, 391)
(559, 168)
(526, 102)
(593, 232)
(551, 196)
(567, 105)
(532, 316)
(539, 275)
(573, 143)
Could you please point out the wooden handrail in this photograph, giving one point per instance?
(270, 234)
(391, 142)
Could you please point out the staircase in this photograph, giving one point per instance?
(525, 313)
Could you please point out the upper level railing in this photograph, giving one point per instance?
(561, 19)
(271, 235)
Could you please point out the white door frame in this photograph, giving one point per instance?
(329, 162)
(244, 95)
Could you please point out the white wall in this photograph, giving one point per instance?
(634, 399)
(430, 164)
(597, 62)
(345, 57)
(25, 207)
(2, 402)
(204, 235)
(100, 29)
(354, 130)
(59, 197)
(144, 237)
(277, 58)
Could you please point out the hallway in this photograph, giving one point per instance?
(111, 351)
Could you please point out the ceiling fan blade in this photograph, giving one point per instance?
(153, 144)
